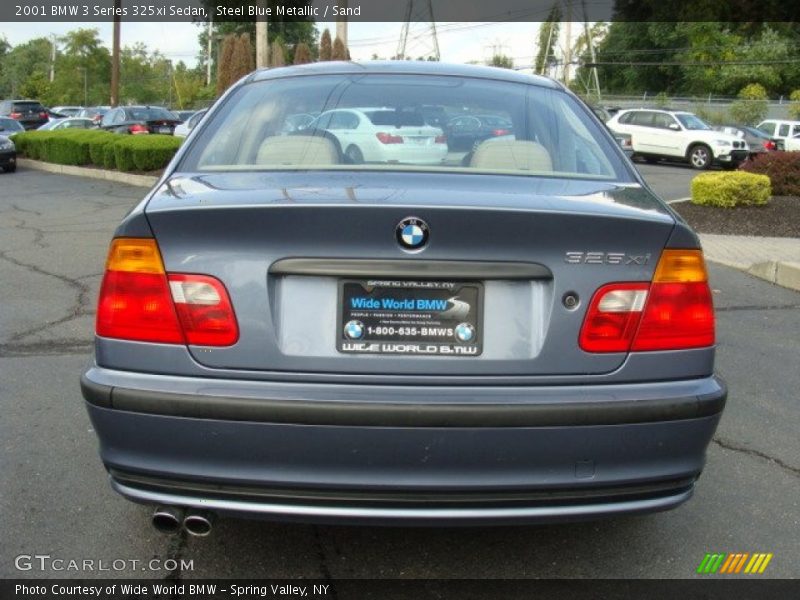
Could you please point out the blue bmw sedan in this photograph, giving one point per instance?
(310, 319)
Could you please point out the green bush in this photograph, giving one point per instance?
(100, 148)
(145, 153)
(794, 105)
(782, 168)
(730, 188)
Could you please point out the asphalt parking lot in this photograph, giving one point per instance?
(55, 500)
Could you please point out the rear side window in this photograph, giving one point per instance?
(643, 119)
(546, 132)
(783, 130)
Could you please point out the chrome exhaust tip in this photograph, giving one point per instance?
(199, 523)
(168, 519)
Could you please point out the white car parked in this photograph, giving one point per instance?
(383, 135)
(185, 128)
(657, 134)
(787, 131)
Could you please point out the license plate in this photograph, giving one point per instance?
(425, 318)
(164, 130)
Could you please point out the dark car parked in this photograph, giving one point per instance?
(465, 132)
(282, 333)
(30, 113)
(758, 142)
(8, 154)
(140, 119)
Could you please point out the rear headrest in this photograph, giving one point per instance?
(515, 155)
(291, 150)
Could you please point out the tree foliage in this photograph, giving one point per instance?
(302, 54)
(750, 108)
(548, 38)
(502, 61)
(325, 47)
(339, 51)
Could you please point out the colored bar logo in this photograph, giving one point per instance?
(734, 563)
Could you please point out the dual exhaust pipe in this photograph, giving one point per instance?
(170, 519)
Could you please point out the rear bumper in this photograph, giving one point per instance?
(333, 453)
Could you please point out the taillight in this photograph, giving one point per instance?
(139, 301)
(138, 129)
(204, 310)
(769, 145)
(42, 115)
(388, 138)
(15, 115)
(674, 311)
(440, 139)
(496, 132)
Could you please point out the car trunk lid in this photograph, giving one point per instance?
(282, 243)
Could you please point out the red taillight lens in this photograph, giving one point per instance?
(769, 145)
(42, 115)
(138, 129)
(678, 315)
(204, 310)
(388, 138)
(139, 301)
(15, 115)
(673, 312)
(440, 139)
(137, 306)
(497, 132)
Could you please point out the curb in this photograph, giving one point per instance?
(147, 181)
(786, 274)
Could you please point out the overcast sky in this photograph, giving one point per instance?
(458, 42)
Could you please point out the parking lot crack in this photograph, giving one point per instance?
(48, 348)
(757, 307)
(175, 551)
(322, 558)
(79, 308)
(728, 445)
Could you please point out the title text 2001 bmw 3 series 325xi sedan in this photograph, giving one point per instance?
(303, 321)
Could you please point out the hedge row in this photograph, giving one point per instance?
(730, 188)
(99, 148)
(783, 169)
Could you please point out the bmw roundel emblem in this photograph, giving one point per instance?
(412, 233)
(464, 332)
(354, 329)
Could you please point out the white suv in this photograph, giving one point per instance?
(659, 134)
(788, 132)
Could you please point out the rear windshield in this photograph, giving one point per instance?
(28, 107)
(151, 114)
(405, 122)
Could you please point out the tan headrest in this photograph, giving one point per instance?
(516, 155)
(293, 150)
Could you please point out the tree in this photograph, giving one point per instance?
(224, 78)
(302, 54)
(751, 106)
(794, 107)
(548, 38)
(502, 61)
(242, 59)
(276, 55)
(339, 51)
(325, 48)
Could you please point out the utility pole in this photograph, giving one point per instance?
(210, 35)
(52, 57)
(262, 37)
(115, 56)
(341, 23)
(568, 47)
